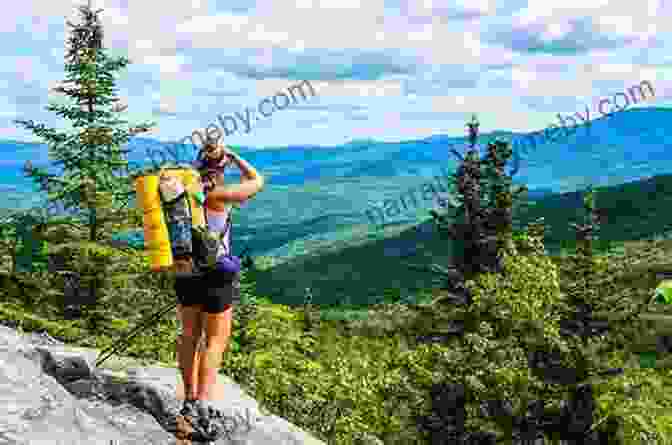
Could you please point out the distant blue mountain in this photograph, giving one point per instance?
(336, 184)
(634, 138)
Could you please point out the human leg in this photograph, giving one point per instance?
(217, 293)
(188, 394)
(192, 411)
(188, 355)
(189, 295)
(217, 328)
(222, 292)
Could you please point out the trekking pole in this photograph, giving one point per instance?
(115, 347)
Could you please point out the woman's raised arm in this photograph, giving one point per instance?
(251, 183)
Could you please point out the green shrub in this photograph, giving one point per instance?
(638, 399)
(513, 312)
(66, 331)
(526, 295)
(324, 382)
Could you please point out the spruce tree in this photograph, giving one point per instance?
(94, 182)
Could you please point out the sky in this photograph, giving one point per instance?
(383, 70)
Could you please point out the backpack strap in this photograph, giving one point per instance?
(202, 166)
(228, 227)
(181, 243)
(226, 230)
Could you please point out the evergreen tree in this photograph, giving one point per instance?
(481, 226)
(93, 182)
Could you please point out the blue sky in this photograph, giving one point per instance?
(386, 70)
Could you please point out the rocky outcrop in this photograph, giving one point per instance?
(52, 394)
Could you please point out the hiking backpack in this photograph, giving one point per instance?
(195, 249)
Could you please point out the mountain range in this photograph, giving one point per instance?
(320, 192)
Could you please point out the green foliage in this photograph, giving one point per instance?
(512, 313)
(288, 369)
(348, 373)
(245, 312)
(635, 399)
(67, 331)
(92, 160)
(335, 384)
(631, 211)
(527, 292)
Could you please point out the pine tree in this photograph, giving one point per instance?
(93, 163)
(482, 224)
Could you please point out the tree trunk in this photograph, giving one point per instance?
(93, 223)
(93, 291)
(13, 255)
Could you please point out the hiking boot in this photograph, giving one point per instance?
(192, 413)
(219, 424)
(209, 424)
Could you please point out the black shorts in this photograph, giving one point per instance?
(216, 291)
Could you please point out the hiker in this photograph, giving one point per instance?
(205, 301)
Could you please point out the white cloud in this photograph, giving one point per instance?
(482, 6)
(168, 105)
(114, 16)
(354, 89)
(421, 35)
(537, 12)
(617, 68)
(144, 44)
(150, 33)
(618, 18)
(289, 27)
(212, 23)
(340, 4)
(432, 8)
(166, 64)
(556, 31)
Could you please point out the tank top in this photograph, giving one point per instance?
(218, 222)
